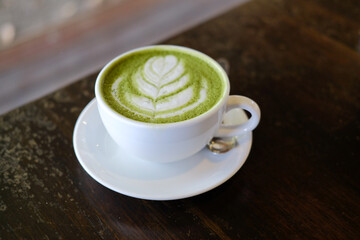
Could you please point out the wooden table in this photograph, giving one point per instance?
(298, 59)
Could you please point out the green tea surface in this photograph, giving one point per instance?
(162, 85)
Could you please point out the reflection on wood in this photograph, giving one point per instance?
(65, 53)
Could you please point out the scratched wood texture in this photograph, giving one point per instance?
(298, 59)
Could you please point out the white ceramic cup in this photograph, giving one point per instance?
(167, 142)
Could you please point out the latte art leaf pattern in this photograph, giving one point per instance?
(161, 88)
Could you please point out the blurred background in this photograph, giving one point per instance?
(47, 44)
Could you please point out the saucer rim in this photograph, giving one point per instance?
(136, 194)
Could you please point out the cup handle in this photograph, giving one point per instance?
(235, 101)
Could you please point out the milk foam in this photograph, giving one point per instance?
(160, 77)
(187, 108)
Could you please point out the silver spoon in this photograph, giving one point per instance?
(221, 145)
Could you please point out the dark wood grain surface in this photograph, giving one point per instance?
(299, 59)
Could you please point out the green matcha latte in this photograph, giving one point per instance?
(162, 84)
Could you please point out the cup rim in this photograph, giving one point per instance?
(102, 103)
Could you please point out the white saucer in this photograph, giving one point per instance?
(102, 160)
